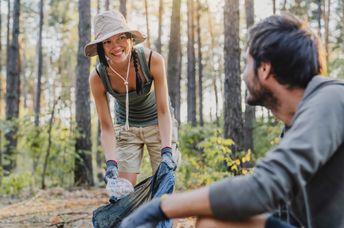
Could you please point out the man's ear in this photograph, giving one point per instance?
(264, 71)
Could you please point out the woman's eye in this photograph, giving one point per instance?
(123, 37)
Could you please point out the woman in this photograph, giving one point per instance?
(136, 78)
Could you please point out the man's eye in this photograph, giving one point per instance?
(123, 37)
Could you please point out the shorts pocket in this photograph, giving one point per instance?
(120, 134)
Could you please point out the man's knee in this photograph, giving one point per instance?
(206, 222)
(254, 222)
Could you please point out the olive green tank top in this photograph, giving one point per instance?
(142, 108)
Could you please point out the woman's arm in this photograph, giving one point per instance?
(107, 136)
(161, 93)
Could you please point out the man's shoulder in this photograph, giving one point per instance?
(322, 95)
(323, 86)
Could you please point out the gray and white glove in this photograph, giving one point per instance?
(166, 155)
(111, 170)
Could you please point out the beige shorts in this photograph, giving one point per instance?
(130, 144)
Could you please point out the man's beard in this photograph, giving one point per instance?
(259, 95)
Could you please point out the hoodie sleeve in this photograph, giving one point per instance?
(316, 134)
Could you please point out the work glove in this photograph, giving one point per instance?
(166, 156)
(146, 216)
(111, 170)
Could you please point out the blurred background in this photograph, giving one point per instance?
(49, 131)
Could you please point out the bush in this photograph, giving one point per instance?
(206, 157)
(15, 183)
(266, 136)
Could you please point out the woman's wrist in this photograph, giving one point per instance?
(166, 146)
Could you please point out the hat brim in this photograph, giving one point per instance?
(91, 48)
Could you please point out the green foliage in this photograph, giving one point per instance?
(207, 157)
(266, 135)
(15, 183)
(58, 14)
(31, 152)
(6, 126)
(336, 67)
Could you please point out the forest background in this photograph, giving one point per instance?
(49, 131)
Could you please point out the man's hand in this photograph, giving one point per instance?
(146, 216)
(111, 170)
(166, 154)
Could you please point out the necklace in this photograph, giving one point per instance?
(125, 81)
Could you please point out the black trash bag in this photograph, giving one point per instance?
(112, 214)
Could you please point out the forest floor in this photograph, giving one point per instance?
(58, 208)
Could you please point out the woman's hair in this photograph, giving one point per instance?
(139, 83)
(134, 56)
(101, 54)
(294, 51)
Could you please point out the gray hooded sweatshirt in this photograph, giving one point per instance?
(304, 171)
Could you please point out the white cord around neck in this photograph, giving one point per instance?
(125, 81)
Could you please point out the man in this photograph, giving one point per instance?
(303, 174)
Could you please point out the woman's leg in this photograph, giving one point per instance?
(132, 177)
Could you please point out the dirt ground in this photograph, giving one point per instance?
(58, 208)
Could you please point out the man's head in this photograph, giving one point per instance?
(293, 50)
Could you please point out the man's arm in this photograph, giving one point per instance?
(184, 204)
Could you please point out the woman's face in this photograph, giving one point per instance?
(117, 48)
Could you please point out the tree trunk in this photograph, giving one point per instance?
(214, 72)
(107, 4)
(191, 71)
(273, 7)
(200, 66)
(12, 90)
(123, 7)
(249, 117)
(39, 65)
(147, 24)
(0, 89)
(83, 160)
(46, 158)
(161, 11)
(8, 29)
(342, 32)
(233, 127)
(327, 14)
(0, 72)
(284, 6)
(174, 59)
(99, 155)
(179, 78)
(319, 13)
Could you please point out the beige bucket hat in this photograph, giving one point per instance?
(107, 24)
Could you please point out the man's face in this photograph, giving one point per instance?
(257, 93)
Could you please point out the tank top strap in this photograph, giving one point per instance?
(143, 62)
(101, 70)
